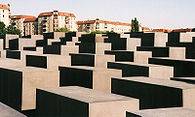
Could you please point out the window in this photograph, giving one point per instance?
(55, 25)
(88, 24)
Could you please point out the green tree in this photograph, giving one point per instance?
(134, 25)
(98, 32)
(2, 28)
(12, 30)
(62, 30)
(8, 30)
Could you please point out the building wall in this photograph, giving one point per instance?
(45, 24)
(18, 23)
(30, 28)
(5, 15)
(49, 23)
(99, 26)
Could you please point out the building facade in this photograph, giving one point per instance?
(5, 14)
(30, 26)
(18, 21)
(50, 21)
(101, 25)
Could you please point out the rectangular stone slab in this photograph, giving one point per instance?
(89, 77)
(133, 69)
(142, 57)
(190, 80)
(52, 49)
(92, 60)
(8, 37)
(121, 55)
(156, 93)
(11, 63)
(156, 51)
(115, 43)
(177, 52)
(187, 36)
(82, 102)
(18, 85)
(13, 54)
(60, 49)
(163, 112)
(47, 61)
(20, 55)
(132, 43)
(19, 44)
(30, 48)
(182, 67)
(6, 111)
(176, 37)
(94, 48)
(66, 50)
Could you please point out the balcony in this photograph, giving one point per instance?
(44, 30)
(44, 21)
(43, 26)
(13, 24)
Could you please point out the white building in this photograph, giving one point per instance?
(101, 25)
(19, 22)
(50, 21)
(5, 14)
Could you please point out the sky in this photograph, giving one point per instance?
(155, 14)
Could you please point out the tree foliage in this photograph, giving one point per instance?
(8, 30)
(2, 28)
(12, 30)
(134, 25)
(62, 30)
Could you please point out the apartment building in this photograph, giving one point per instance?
(50, 21)
(101, 25)
(5, 14)
(18, 21)
(30, 26)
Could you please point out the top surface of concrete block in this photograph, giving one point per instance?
(185, 78)
(168, 83)
(139, 64)
(86, 95)
(91, 68)
(6, 111)
(179, 59)
(166, 112)
(25, 69)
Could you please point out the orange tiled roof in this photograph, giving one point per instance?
(66, 14)
(21, 16)
(46, 14)
(102, 21)
(59, 13)
(30, 19)
(161, 30)
(2, 6)
(145, 28)
(86, 22)
(183, 30)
